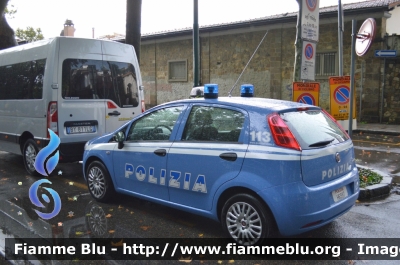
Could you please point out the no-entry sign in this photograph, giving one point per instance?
(340, 97)
(307, 93)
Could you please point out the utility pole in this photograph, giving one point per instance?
(340, 36)
(196, 40)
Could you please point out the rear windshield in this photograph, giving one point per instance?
(313, 128)
(96, 79)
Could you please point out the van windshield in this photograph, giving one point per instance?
(96, 79)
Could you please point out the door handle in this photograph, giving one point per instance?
(228, 156)
(160, 152)
(114, 113)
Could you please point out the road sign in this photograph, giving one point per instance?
(340, 97)
(308, 61)
(365, 36)
(309, 51)
(306, 98)
(311, 4)
(307, 93)
(385, 53)
(341, 94)
(310, 20)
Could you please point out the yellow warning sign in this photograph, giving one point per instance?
(307, 93)
(340, 97)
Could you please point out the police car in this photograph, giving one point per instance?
(257, 165)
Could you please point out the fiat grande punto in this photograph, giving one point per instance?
(256, 165)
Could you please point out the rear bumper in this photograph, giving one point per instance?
(298, 208)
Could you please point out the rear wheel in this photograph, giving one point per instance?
(29, 153)
(246, 220)
(99, 182)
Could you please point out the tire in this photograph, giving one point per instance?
(246, 220)
(29, 153)
(99, 182)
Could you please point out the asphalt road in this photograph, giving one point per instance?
(130, 217)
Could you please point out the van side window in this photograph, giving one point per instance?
(96, 79)
(22, 80)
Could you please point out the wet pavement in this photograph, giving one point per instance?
(82, 217)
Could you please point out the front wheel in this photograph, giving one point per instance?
(29, 153)
(246, 220)
(99, 182)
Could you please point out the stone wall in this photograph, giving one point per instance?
(224, 56)
(391, 94)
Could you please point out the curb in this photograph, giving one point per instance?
(376, 190)
(371, 131)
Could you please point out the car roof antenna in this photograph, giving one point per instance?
(230, 92)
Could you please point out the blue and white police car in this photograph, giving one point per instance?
(254, 164)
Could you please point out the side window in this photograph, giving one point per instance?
(22, 80)
(156, 126)
(213, 124)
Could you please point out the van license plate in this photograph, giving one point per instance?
(81, 129)
(339, 194)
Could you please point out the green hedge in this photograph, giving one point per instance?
(368, 177)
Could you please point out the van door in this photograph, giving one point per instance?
(122, 82)
(80, 109)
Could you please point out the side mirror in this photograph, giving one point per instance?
(120, 138)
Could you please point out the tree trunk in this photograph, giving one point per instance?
(7, 36)
(133, 24)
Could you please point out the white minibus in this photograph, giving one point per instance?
(79, 88)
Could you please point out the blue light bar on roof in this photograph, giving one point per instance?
(211, 91)
(247, 90)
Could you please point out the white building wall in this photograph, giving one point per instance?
(392, 23)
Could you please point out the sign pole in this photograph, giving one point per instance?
(340, 36)
(353, 48)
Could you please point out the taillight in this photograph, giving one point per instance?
(143, 106)
(281, 132)
(52, 118)
(111, 105)
(335, 121)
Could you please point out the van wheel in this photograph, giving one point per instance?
(246, 220)
(99, 182)
(29, 153)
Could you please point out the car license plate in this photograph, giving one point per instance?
(339, 194)
(81, 129)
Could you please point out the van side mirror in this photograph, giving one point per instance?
(120, 138)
